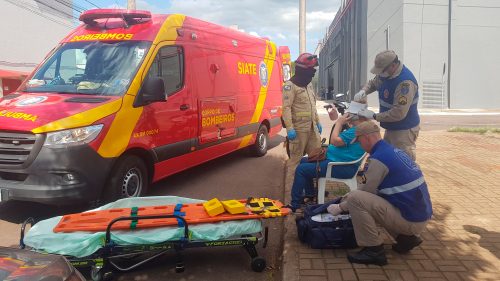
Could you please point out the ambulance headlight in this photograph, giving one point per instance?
(75, 136)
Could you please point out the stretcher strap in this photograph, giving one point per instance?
(177, 212)
(133, 213)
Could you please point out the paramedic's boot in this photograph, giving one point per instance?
(369, 255)
(295, 210)
(405, 243)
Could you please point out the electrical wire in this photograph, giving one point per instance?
(57, 10)
(16, 3)
(92, 4)
(73, 7)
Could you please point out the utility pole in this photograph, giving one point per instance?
(302, 26)
(448, 85)
(131, 4)
(387, 37)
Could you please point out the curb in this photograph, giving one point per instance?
(291, 244)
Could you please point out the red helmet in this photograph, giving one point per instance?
(307, 60)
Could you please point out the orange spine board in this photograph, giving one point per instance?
(194, 214)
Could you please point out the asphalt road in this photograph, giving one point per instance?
(233, 176)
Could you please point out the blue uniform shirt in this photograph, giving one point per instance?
(404, 185)
(386, 98)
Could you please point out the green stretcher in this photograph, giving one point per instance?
(103, 251)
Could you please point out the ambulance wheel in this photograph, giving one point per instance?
(259, 148)
(258, 264)
(129, 178)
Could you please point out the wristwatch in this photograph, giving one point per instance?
(374, 116)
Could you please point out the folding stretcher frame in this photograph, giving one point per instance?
(111, 256)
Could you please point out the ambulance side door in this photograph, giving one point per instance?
(175, 119)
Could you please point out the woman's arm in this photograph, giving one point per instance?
(335, 139)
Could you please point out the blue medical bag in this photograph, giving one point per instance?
(329, 234)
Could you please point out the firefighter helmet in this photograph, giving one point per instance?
(307, 60)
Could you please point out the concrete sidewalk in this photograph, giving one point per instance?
(462, 242)
(424, 111)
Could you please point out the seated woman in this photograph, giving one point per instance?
(341, 149)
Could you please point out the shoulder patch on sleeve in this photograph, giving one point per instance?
(405, 88)
(287, 87)
(402, 100)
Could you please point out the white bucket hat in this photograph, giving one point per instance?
(355, 107)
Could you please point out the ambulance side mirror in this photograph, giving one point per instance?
(153, 90)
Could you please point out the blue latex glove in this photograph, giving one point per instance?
(320, 129)
(291, 134)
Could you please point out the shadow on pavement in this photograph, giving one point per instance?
(18, 211)
(452, 253)
(487, 239)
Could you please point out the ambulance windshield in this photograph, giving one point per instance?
(92, 68)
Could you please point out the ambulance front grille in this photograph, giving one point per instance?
(16, 149)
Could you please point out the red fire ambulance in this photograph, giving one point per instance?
(129, 98)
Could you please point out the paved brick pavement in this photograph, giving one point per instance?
(462, 242)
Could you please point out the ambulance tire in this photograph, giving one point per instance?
(129, 178)
(259, 148)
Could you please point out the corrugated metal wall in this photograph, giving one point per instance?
(343, 55)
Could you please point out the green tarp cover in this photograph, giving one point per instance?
(81, 244)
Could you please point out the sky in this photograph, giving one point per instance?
(277, 20)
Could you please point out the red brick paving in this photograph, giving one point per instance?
(462, 242)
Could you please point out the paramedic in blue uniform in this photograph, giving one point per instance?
(394, 195)
(398, 97)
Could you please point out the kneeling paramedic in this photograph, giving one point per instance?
(341, 149)
(394, 195)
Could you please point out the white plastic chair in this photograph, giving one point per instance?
(352, 183)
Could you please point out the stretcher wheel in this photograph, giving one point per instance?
(258, 264)
(99, 274)
(179, 268)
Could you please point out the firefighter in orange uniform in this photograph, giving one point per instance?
(300, 115)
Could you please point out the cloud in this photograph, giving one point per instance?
(275, 19)
(254, 33)
(319, 20)
(115, 6)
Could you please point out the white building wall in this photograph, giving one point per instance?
(380, 14)
(475, 64)
(419, 35)
(426, 48)
(30, 29)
